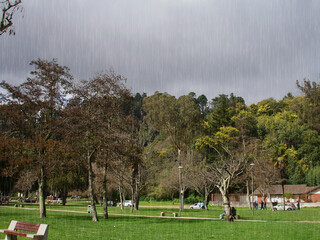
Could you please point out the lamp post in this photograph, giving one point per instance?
(252, 165)
(180, 186)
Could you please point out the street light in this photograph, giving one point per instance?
(252, 165)
(180, 194)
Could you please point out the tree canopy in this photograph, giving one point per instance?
(95, 136)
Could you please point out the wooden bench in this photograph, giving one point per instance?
(28, 230)
(164, 213)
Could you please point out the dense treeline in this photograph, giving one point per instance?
(59, 136)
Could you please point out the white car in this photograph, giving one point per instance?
(196, 206)
(127, 203)
(288, 207)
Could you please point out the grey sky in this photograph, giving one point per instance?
(254, 48)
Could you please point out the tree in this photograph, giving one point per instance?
(313, 176)
(68, 173)
(265, 173)
(227, 158)
(200, 178)
(96, 116)
(293, 146)
(223, 109)
(37, 104)
(310, 111)
(177, 117)
(140, 136)
(8, 7)
(10, 155)
(202, 102)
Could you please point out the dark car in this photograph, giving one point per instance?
(30, 200)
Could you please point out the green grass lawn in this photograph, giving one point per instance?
(66, 225)
(305, 214)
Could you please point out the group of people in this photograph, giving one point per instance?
(263, 205)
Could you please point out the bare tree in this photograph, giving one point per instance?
(223, 172)
(26, 181)
(200, 178)
(8, 7)
(265, 173)
(227, 158)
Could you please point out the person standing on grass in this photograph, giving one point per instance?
(265, 205)
(261, 205)
(298, 204)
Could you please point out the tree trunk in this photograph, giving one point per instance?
(121, 193)
(134, 186)
(42, 189)
(137, 192)
(206, 198)
(104, 189)
(248, 195)
(269, 196)
(181, 191)
(132, 198)
(284, 201)
(64, 195)
(91, 191)
(226, 203)
(225, 198)
(136, 206)
(182, 201)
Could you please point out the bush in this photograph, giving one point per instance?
(192, 199)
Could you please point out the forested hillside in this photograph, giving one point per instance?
(60, 136)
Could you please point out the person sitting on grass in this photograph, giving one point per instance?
(223, 214)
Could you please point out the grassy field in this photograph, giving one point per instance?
(70, 225)
(154, 209)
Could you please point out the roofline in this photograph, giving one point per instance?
(312, 189)
(306, 192)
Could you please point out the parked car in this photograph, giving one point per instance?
(127, 203)
(289, 207)
(54, 201)
(196, 206)
(30, 200)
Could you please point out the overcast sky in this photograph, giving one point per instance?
(254, 48)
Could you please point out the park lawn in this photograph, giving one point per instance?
(305, 214)
(66, 225)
